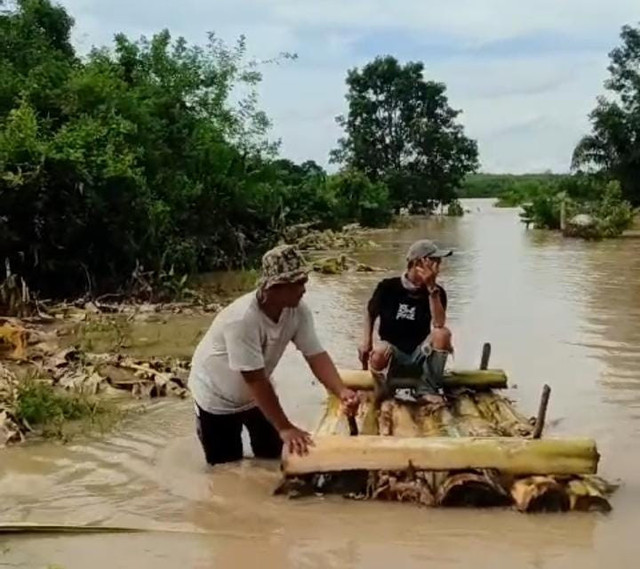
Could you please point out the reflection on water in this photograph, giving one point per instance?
(557, 311)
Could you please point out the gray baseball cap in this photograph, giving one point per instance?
(426, 248)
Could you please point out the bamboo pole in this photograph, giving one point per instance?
(479, 379)
(509, 455)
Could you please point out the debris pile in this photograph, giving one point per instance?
(306, 238)
(12, 430)
(339, 264)
(29, 350)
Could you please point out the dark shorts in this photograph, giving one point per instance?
(221, 435)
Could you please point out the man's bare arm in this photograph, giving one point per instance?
(266, 398)
(296, 440)
(365, 347)
(438, 313)
(367, 331)
(325, 371)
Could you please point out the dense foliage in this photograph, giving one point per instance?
(511, 189)
(613, 148)
(144, 160)
(542, 196)
(603, 211)
(400, 130)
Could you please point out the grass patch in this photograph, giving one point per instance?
(105, 334)
(54, 413)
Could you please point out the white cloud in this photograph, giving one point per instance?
(469, 19)
(526, 103)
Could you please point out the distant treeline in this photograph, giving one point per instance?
(499, 185)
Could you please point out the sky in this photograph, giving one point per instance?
(524, 74)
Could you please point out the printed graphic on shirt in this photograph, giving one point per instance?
(406, 313)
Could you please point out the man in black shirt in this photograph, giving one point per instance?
(412, 313)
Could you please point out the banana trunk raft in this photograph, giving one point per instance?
(476, 450)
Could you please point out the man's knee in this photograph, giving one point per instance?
(441, 339)
(380, 356)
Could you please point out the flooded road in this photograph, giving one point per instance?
(556, 311)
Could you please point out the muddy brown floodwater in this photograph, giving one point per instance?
(558, 311)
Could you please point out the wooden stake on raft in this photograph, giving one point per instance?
(542, 412)
(486, 354)
(506, 454)
(353, 426)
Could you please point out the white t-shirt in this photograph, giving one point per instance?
(243, 338)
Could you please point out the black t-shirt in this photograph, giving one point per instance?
(405, 316)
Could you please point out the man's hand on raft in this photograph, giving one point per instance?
(296, 440)
(350, 401)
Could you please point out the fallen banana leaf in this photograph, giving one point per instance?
(13, 340)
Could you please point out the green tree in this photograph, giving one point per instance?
(401, 130)
(361, 200)
(612, 150)
(137, 156)
(144, 161)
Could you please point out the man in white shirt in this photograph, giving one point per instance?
(231, 369)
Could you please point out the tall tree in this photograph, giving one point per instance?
(613, 147)
(401, 130)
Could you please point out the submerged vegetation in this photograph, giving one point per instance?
(600, 215)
